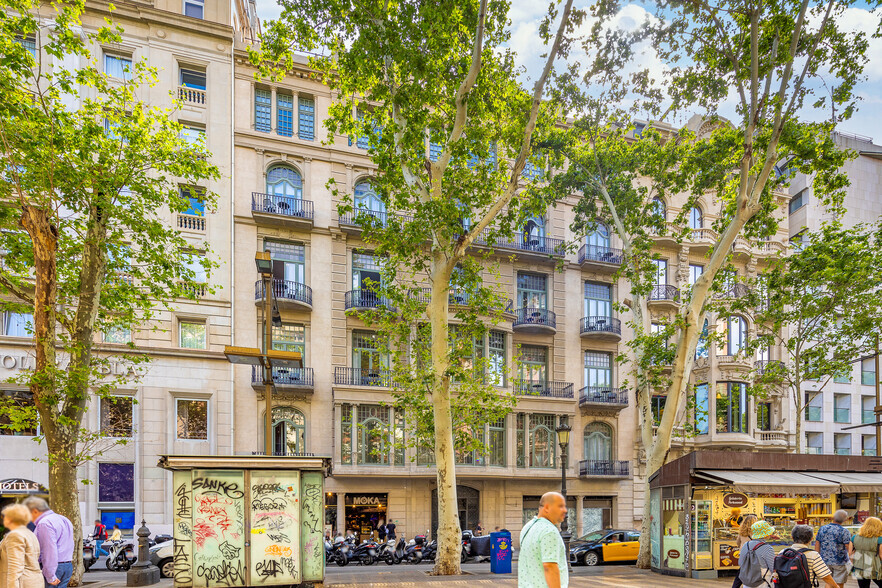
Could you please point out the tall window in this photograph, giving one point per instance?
(118, 66)
(814, 406)
(534, 361)
(657, 405)
(290, 337)
(737, 335)
(373, 433)
(193, 78)
(366, 268)
(306, 118)
(288, 261)
(192, 134)
(116, 416)
(285, 114)
(868, 372)
(543, 441)
(289, 431)
(731, 407)
(283, 180)
(701, 349)
(496, 358)
(598, 369)
(366, 199)
(18, 324)
(798, 201)
(598, 299)
(532, 290)
(696, 220)
(29, 42)
(597, 442)
(534, 232)
(194, 8)
(764, 416)
(366, 353)
(661, 271)
(192, 419)
(496, 443)
(599, 238)
(17, 400)
(659, 209)
(263, 106)
(194, 264)
(695, 272)
(196, 199)
(192, 335)
(702, 409)
(116, 482)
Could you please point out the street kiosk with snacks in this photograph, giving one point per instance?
(697, 507)
(247, 521)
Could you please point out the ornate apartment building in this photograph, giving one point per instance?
(269, 140)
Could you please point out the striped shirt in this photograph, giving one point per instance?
(816, 565)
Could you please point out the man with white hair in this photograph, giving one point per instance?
(832, 543)
(542, 561)
(55, 534)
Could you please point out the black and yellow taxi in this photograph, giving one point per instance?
(604, 546)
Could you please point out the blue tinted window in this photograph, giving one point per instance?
(306, 115)
(262, 111)
(285, 115)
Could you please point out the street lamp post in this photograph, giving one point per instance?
(563, 438)
(269, 357)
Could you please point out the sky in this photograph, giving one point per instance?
(526, 15)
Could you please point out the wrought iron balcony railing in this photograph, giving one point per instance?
(283, 205)
(535, 316)
(286, 290)
(601, 324)
(605, 468)
(347, 376)
(664, 292)
(600, 254)
(545, 389)
(285, 376)
(364, 298)
(606, 395)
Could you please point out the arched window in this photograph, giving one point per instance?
(373, 429)
(289, 431)
(599, 238)
(701, 348)
(367, 199)
(737, 335)
(597, 441)
(534, 231)
(659, 208)
(283, 180)
(696, 220)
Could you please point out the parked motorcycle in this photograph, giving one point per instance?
(340, 552)
(474, 547)
(366, 553)
(89, 552)
(421, 550)
(121, 555)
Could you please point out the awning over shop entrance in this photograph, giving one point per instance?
(767, 482)
(852, 481)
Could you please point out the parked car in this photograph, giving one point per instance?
(162, 556)
(604, 546)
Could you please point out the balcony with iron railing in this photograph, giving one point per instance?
(768, 366)
(286, 292)
(281, 210)
(357, 218)
(664, 294)
(604, 468)
(545, 389)
(364, 299)
(191, 222)
(537, 246)
(734, 292)
(813, 414)
(284, 454)
(841, 415)
(535, 320)
(374, 377)
(601, 328)
(600, 256)
(285, 378)
(603, 398)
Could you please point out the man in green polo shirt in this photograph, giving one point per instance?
(542, 560)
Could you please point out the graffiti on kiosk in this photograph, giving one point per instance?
(276, 550)
(226, 572)
(229, 489)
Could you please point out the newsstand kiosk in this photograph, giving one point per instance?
(247, 521)
(697, 501)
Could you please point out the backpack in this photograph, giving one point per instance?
(751, 572)
(792, 569)
(102, 532)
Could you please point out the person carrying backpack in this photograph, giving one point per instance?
(865, 551)
(800, 566)
(756, 557)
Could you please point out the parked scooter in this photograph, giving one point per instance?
(393, 553)
(339, 552)
(422, 550)
(366, 553)
(474, 547)
(89, 552)
(121, 555)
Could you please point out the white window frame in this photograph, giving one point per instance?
(208, 423)
(200, 3)
(191, 321)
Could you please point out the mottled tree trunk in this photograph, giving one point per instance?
(449, 537)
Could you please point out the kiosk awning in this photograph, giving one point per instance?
(852, 481)
(770, 482)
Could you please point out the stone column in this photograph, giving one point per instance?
(341, 512)
(579, 505)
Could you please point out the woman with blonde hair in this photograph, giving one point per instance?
(747, 522)
(865, 551)
(19, 551)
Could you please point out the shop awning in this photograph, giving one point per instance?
(852, 481)
(770, 482)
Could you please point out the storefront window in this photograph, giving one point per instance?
(702, 413)
(596, 515)
(531, 510)
(731, 407)
(364, 513)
